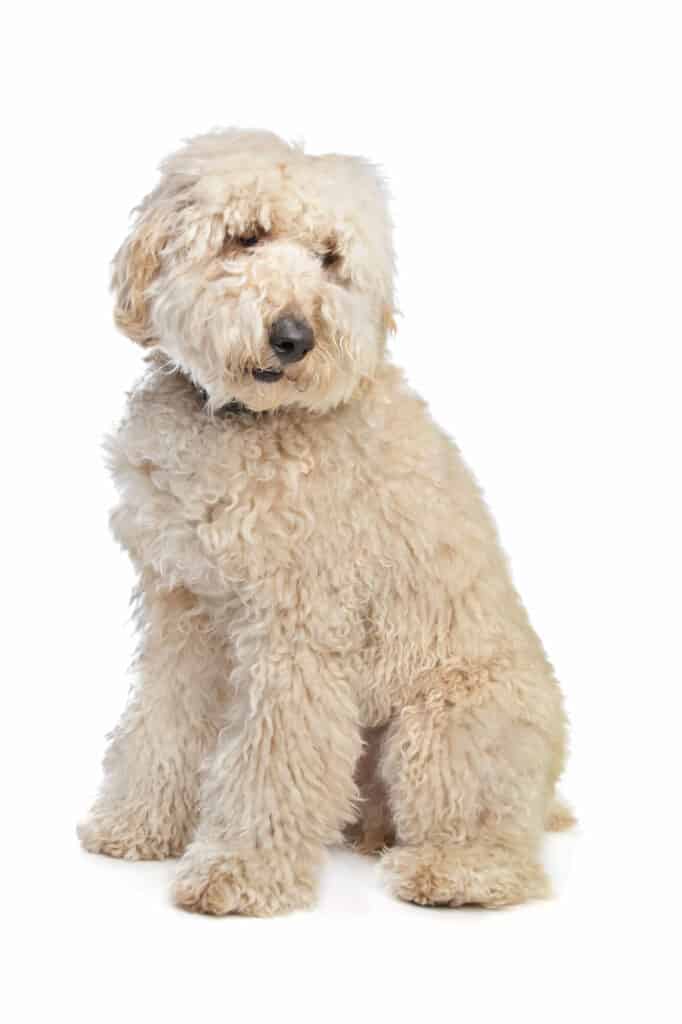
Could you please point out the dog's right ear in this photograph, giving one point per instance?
(134, 267)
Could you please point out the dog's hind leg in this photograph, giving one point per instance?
(470, 777)
(148, 802)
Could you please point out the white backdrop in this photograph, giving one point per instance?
(535, 160)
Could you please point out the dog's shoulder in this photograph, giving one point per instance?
(394, 428)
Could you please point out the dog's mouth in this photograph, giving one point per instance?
(268, 376)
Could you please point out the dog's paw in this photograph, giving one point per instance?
(129, 835)
(258, 883)
(485, 875)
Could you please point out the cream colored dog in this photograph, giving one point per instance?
(329, 636)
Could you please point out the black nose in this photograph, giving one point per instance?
(291, 339)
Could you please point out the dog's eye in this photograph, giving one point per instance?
(246, 241)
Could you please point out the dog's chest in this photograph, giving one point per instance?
(210, 503)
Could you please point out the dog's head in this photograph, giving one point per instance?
(265, 274)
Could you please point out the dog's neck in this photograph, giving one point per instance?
(237, 408)
(233, 406)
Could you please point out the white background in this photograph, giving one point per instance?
(535, 159)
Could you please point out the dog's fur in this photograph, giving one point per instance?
(330, 638)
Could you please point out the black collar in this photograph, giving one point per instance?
(234, 406)
(230, 407)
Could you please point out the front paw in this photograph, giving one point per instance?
(258, 883)
(130, 833)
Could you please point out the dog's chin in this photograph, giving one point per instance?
(261, 389)
(265, 389)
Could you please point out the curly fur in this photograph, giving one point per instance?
(330, 638)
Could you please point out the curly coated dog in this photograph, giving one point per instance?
(331, 646)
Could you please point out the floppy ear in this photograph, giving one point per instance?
(134, 267)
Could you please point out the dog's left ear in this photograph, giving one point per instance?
(134, 267)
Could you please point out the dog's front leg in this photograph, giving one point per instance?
(281, 785)
(149, 798)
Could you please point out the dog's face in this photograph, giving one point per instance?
(265, 274)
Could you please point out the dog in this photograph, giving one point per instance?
(331, 648)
